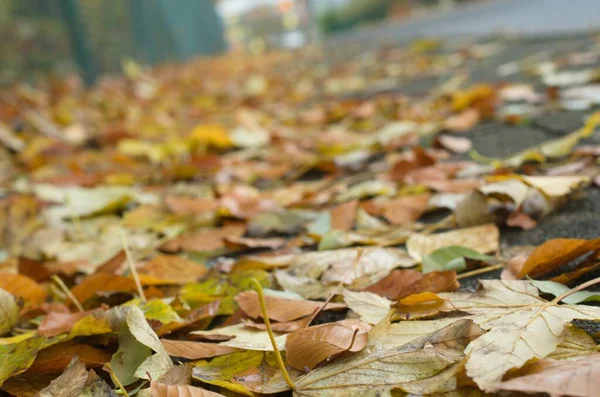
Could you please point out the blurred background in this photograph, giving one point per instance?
(96, 37)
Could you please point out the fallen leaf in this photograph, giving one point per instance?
(280, 309)
(555, 253)
(161, 390)
(310, 346)
(521, 326)
(483, 239)
(134, 360)
(371, 307)
(342, 215)
(455, 144)
(204, 240)
(241, 337)
(102, 282)
(9, 312)
(56, 323)
(557, 289)
(308, 272)
(174, 269)
(70, 383)
(222, 371)
(17, 353)
(405, 210)
(451, 258)
(522, 220)
(195, 350)
(397, 284)
(380, 368)
(463, 121)
(190, 206)
(55, 359)
(248, 242)
(23, 287)
(564, 378)
(556, 186)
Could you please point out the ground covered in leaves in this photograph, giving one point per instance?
(419, 219)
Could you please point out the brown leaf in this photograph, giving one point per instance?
(313, 345)
(342, 215)
(23, 287)
(204, 240)
(178, 375)
(398, 284)
(69, 383)
(190, 206)
(195, 350)
(281, 309)
(161, 390)
(55, 323)
(559, 378)
(195, 318)
(405, 210)
(403, 168)
(54, 359)
(102, 282)
(173, 268)
(453, 185)
(555, 253)
(33, 269)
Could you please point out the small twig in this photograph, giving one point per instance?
(263, 308)
(481, 271)
(353, 338)
(116, 380)
(337, 289)
(576, 289)
(133, 269)
(63, 287)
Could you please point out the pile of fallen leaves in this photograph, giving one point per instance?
(252, 226)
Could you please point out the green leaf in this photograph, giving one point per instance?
(134, 359)
(451, 258)
(9, 312)
(221, 370)
(159, 310)
(557, 289)
(17, 353)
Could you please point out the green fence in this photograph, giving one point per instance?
(95, 36)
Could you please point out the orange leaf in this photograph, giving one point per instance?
(281, 309)
(173, 269)
(401, 283)
(555, 253)
(102, 282)
(419, 298)
(204, 240)
(195, 350)
(23, 287)
(405, 209)
(54, 359)
(342, 215)
(313, 345)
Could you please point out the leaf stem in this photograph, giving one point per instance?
(576, 289)
(133, 269)
(67, 292)
(480, 271)
(263, 308)
(114, 378)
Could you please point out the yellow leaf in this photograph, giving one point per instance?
(9, 312)
(211, 135)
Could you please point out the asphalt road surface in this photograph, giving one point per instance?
(491, 17)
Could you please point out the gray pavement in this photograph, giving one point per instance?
(492, 16)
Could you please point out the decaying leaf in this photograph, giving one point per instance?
(195, 350)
